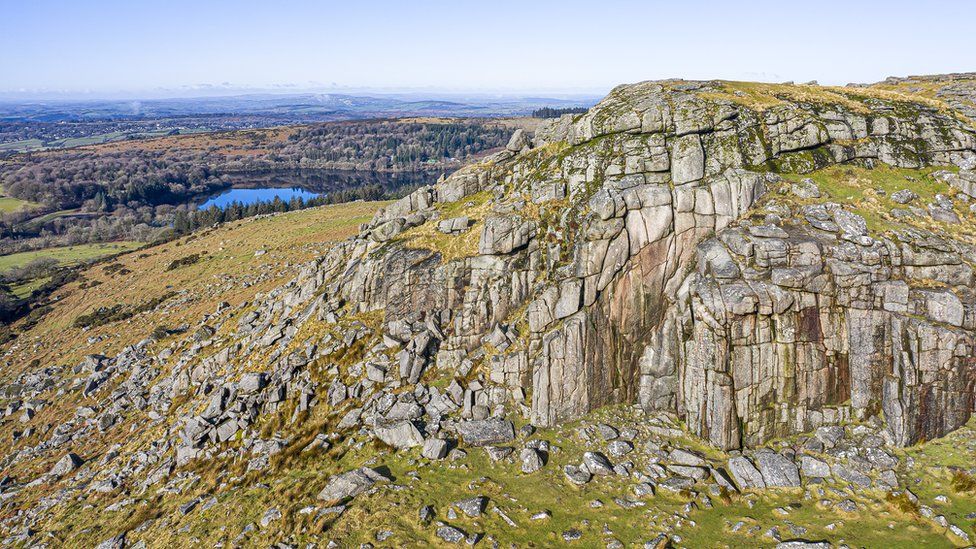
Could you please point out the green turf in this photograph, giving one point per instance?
(66, 255)
(23, 145)
(8, 204)
(24, 290)
(868, 192)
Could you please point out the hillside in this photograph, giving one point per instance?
(700, 314)
(194, 274)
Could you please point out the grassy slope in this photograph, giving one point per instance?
(228, 271)
(24, 289)
(8, 204)
(877, 522)
(927, 87)
(295, 478)
(228, 260)
(761, 96)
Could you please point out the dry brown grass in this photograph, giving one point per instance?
(963, 482)
(762, 96)
(902, 503)
(228, 251)
(476, 207)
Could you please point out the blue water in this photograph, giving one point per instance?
(261, 194)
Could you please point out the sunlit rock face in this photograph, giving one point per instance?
(617, 262)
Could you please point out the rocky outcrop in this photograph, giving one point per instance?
(619, 259)
(633, 254)
(615, 267)
(957, 90)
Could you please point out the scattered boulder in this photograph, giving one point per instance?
(252, 382)
(451, 534)
(577, 474)
(643, 489)
(597, 464)
(531, 460)
(830, 435)
(435, 448)
(848, 474)
(454, 225)
(189, 506)
(684, 457)
(117, 542)
(350, 484)
(849, 223)
(677, 484)
(66, 464)
(777, 470)
(806, 188)
(486, 431)
(519, 141)
(498, 453)
(814, 468)
(689, 471)
(620, 448)
(399, 434)
(473, 507)
(269, 516)
(572, 534)
(608, 432)
(904, 196)
(745, 474)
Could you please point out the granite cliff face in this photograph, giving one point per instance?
(619, 262)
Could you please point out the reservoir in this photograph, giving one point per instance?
(247, 196)
(252, 188)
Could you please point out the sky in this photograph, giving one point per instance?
(173, 47)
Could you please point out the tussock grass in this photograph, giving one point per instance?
(902, 502)
(963, 482)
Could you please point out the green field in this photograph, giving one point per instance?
(24, 145)
(35, 223)
(66, 255)
(8, 204)
(25, 289)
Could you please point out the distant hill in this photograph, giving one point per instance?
(27, 125)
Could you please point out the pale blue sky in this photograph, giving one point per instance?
(525, 46)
